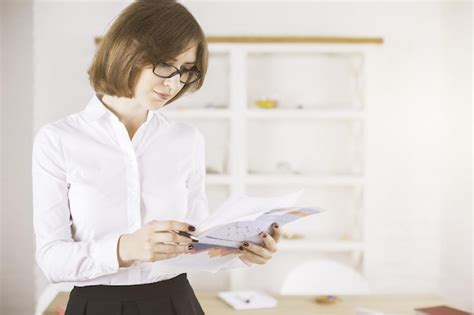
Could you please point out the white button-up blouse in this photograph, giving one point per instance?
(91, 184)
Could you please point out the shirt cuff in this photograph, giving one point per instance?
(104, 253)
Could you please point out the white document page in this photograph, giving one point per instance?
(238, 219)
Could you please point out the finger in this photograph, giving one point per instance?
(276, 232)
(248, 263)
(161, 226)
(170, 237)
(256, 249)
(269, 242)
(160, 248)
(253, 258)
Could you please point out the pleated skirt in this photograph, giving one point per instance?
(173, 296)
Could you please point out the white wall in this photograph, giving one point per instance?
(1, 143)
(413, 179)
(17, 289)
(456, 224)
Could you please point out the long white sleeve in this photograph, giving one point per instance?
(61, 258)
(92, 184)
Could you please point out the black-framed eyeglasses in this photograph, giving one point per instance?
(186, 76)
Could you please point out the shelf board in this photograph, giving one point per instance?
(266, 113)
(295, 39)
(197, 113)
(319, 245)
(218, 179)
(224, 179)
(304, 180)
(304, 114)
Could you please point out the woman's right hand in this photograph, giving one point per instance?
(147, 243)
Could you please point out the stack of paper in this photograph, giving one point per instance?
(245, 300)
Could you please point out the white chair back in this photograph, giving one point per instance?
(323, 277)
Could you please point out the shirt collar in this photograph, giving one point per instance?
(95, 109)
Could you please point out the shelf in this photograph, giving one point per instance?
(303, 114)
(197, 113)
(319, 121)
(315, 245)
(304, 180)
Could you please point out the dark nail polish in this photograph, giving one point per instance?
(241, 248)
(190, 246)
(195, 241)
(264, 235)
(191, 228)
(246, 244)
(276, 225)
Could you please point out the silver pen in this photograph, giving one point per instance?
(186, 234)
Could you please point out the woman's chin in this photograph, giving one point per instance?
(156, 106)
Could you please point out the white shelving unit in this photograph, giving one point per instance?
(314, 139)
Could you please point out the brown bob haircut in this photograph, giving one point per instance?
(146, 32)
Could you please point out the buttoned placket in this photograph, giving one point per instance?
(133, 184)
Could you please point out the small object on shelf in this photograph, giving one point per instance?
(284, 167)
(299, 106)
(212, 105)
(327, 299)
(212, 170)
(266, 103)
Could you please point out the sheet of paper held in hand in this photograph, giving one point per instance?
(240, 218)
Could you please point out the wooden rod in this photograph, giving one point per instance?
(287, 39)
(295, 39)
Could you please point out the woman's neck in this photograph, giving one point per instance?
(127, 110)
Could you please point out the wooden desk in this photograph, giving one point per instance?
(300, 305)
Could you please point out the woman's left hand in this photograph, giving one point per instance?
(257, 254)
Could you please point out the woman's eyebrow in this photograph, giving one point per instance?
(187, 63)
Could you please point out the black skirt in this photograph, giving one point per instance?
(173, 296)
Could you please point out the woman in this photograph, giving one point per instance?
(100, 174)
